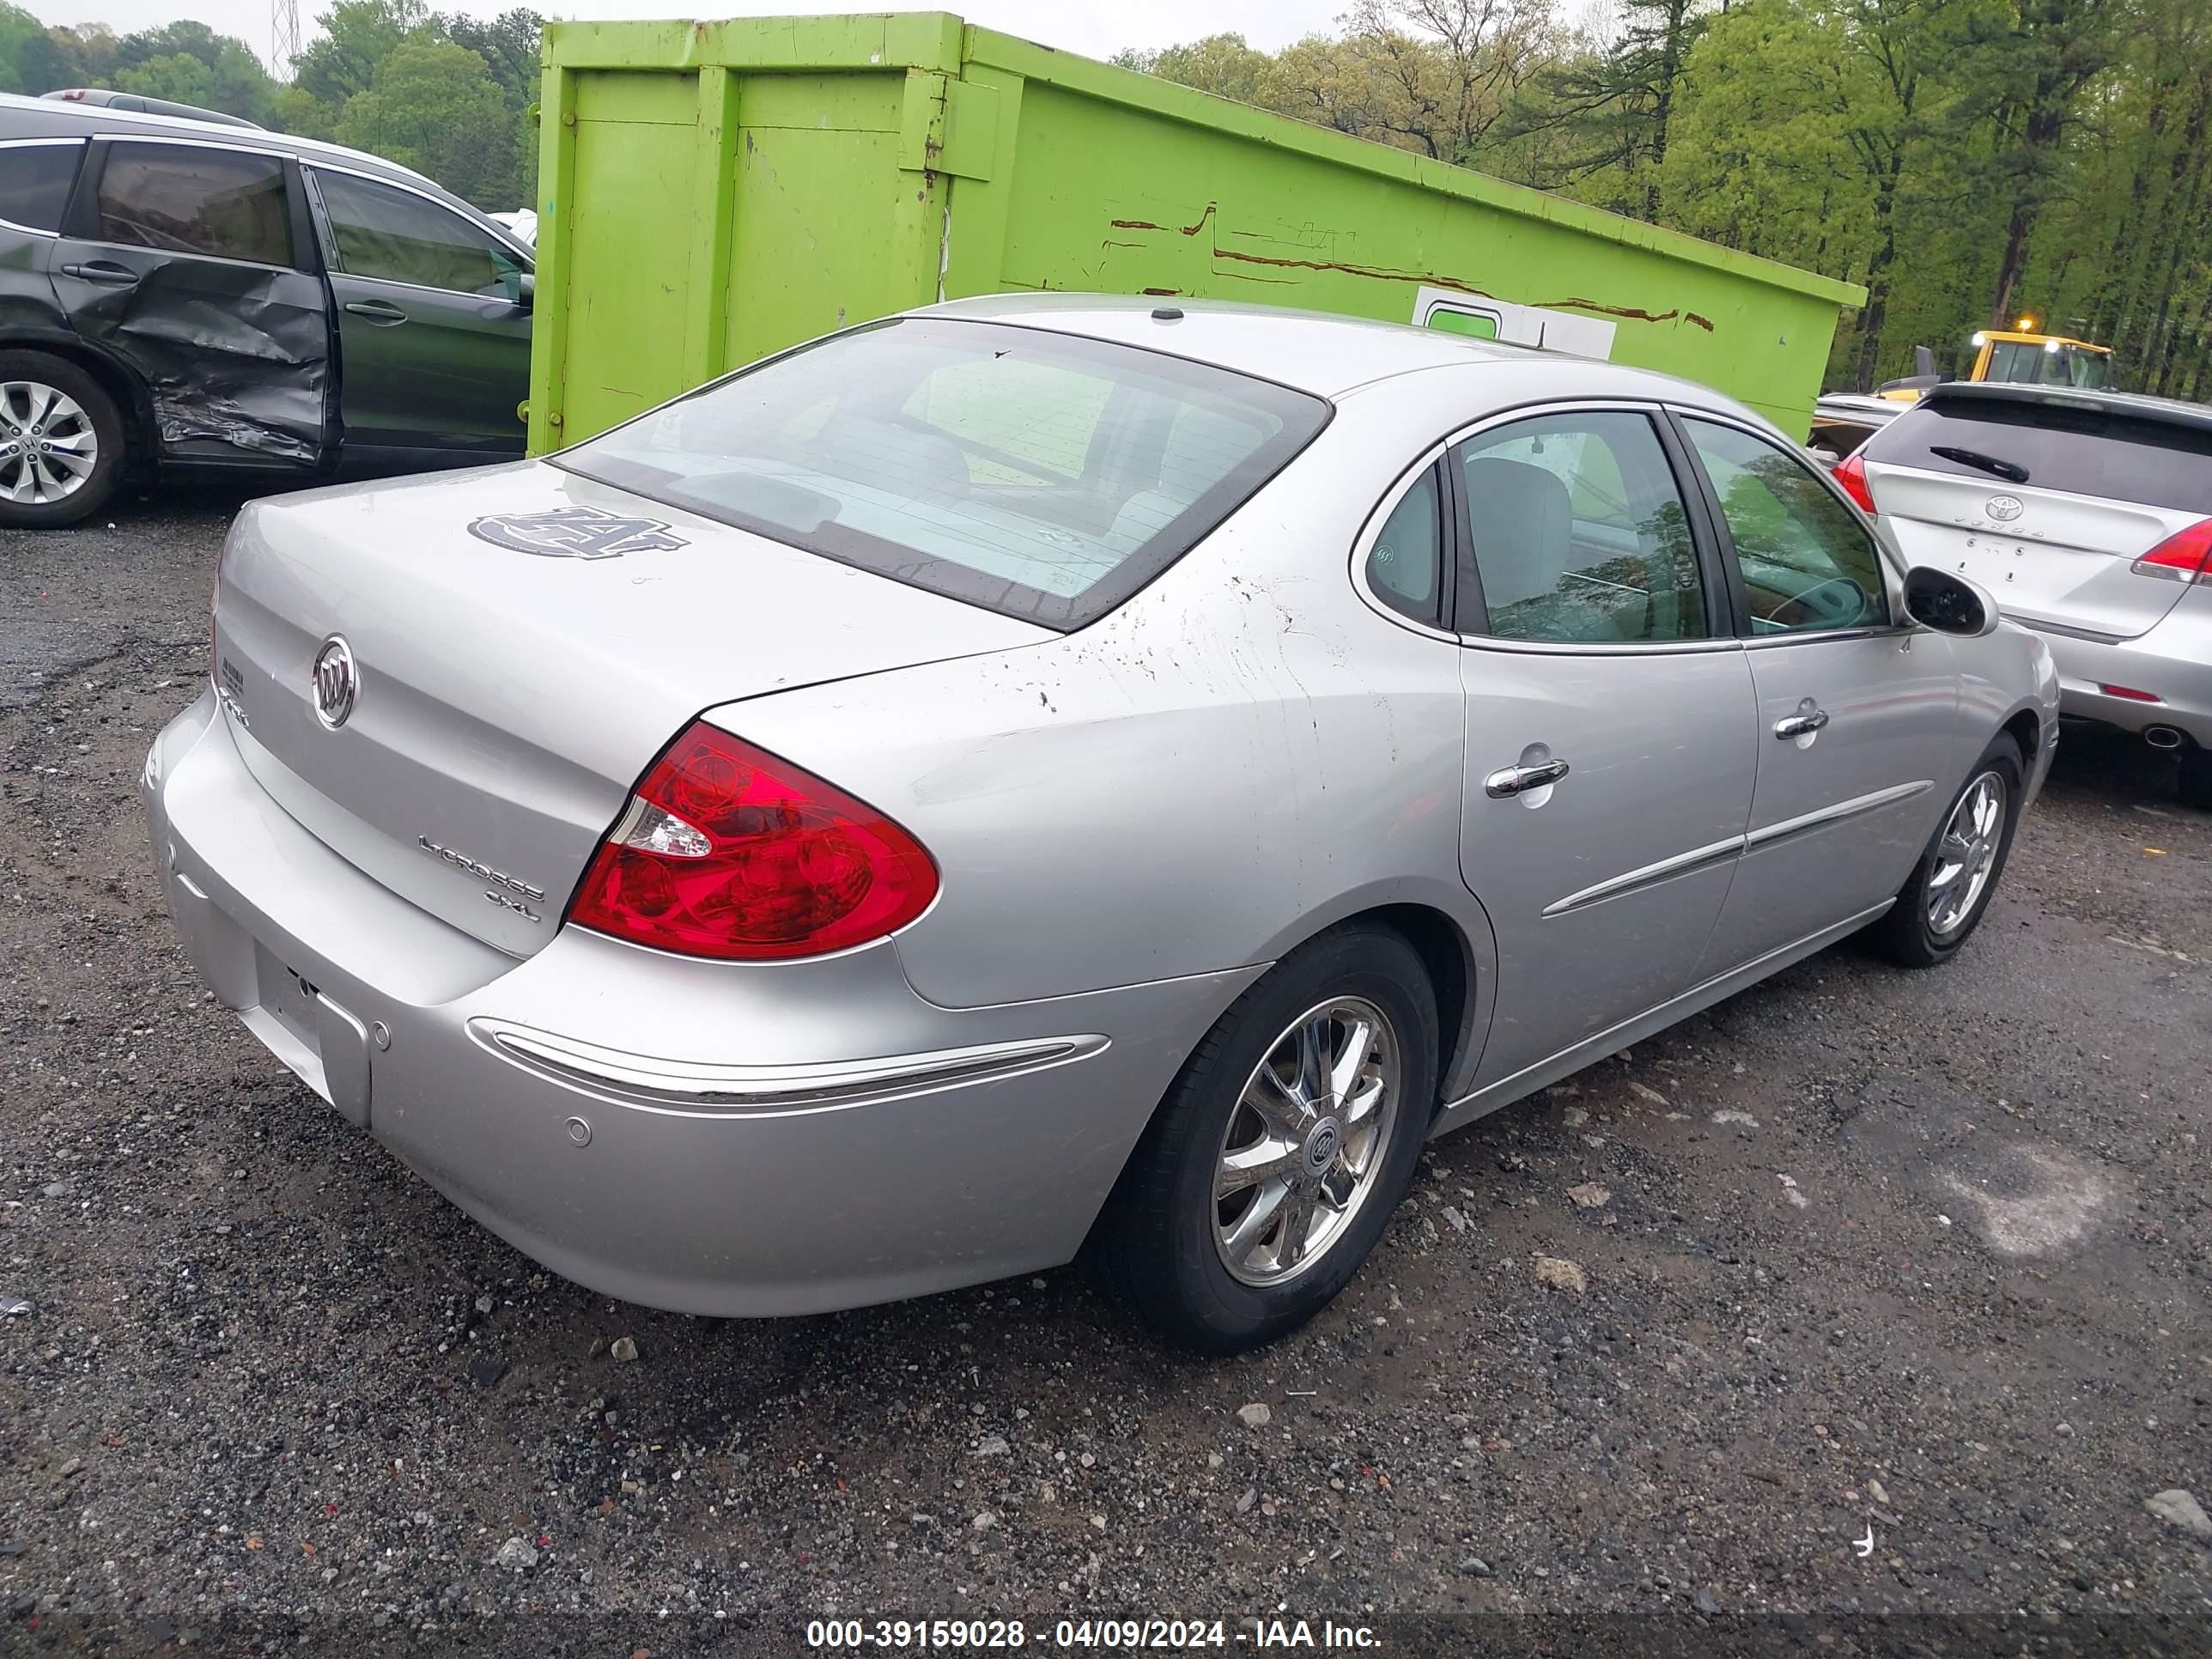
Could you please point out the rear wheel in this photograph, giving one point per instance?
(61, 441)
(1943, 902)
(1275, 1161)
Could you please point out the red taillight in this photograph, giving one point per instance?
(725, 851)
(1851, 472)
(2184, 557)
(2131, 694)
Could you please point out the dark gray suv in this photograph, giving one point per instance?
(177, 295)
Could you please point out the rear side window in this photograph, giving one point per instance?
(1405, 567)
(226, 204)
(2083, 452)
(1043, 476)
(34, 183)
(396, 236)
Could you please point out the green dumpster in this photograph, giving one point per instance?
(713, 192)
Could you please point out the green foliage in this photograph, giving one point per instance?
(18, 29)
(433, 106)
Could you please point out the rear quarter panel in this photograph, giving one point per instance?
(1239, 756)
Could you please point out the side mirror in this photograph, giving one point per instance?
(525, 290)
(1948, 604)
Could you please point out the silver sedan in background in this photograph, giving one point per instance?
(1057, 776)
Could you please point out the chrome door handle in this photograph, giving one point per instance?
(1801, 723)
(377, 312)
(1511, 781)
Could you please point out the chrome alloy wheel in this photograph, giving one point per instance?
(1966, 853)
(1306, 1141)
(48, 446)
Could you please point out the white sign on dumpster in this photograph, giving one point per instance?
(1483, 319)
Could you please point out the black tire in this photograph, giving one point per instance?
(1155, 1245)
(1908, 935)
(42, 368)
(2195, 782)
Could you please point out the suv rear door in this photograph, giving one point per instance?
(189, 262)
(434, 327)
(36, 177)
(2045, 497)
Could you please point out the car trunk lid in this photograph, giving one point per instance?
(523, 642)
(2046, 501)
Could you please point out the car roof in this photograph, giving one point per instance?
(1314, 351)
(2170, 410)
(46, 117)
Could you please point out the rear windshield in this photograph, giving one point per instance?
(2083, 452)
(1041, 475)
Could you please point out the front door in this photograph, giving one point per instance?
(185, 261)
(1609, 727)
(1860, 728)
(433, 328)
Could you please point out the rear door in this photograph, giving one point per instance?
(434, 327)
(1609, 723)
(191, 261)
(1861, 736)
(2044, 500)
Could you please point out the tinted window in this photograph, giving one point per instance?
(397, 237)
(2084, 452)
(1405, 563)
(224, 203)
(1807, 562)
(1041, 475)
(1579, 531)
(34, 183)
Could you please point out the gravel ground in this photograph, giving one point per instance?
(1922, 1257)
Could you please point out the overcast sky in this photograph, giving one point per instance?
(1094, 27)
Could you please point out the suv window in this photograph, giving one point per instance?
(396, 236)
(188, 199)
(2082, 452)
(1579, 531)
(1405, 563)
(34, 183)
(1807, 562)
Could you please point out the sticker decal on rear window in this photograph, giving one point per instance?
(575, 533)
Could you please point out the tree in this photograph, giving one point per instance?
(1620, 99)
(508, 44)
(434, 107)
(1222, 65)
(358, 35)
(2030, 63)
(190, 63)
(18, 29)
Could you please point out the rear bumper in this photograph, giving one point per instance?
(712, 1138)
(2172, 661)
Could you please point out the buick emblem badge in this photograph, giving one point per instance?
(575, 533)
(336, 681)
(2004, 509)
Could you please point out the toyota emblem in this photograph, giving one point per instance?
(336, 682)
(2004, 509)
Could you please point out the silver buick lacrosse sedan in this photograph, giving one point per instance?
(1053, 776)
